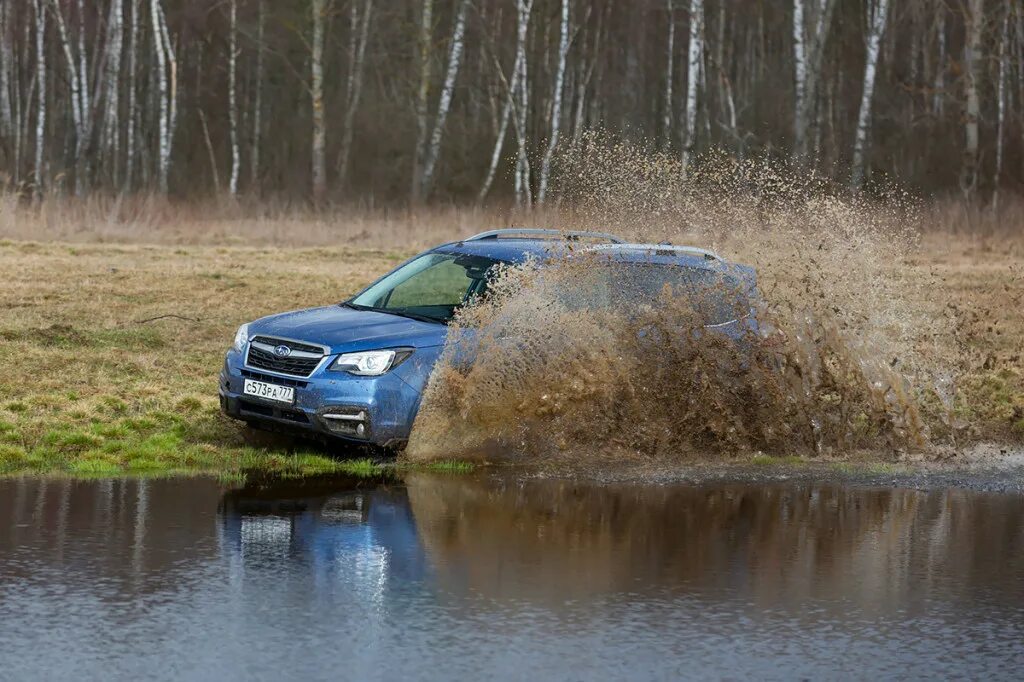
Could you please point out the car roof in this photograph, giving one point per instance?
(512, 250)
(518, 249)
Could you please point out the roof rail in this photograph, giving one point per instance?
(662, 248)
(537, 232)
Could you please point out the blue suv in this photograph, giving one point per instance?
(356, 370)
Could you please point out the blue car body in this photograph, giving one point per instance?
(300, 350)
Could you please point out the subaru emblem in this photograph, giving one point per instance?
(282, 351)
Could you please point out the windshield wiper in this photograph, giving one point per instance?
(401, 312)
(413, 316)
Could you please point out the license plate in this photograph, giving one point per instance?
(279, 394)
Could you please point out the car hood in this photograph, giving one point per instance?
(345, 330)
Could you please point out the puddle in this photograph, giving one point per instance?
(491, 575)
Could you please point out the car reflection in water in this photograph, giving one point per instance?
(361, 529)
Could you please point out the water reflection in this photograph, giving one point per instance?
(185, 578)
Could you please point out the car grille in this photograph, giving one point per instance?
(300, 362)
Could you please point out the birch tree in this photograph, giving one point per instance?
(7, 128)
(112, 86)
(972, 69)
(426, 37)
(877, 15)
(257, 107)
(556, 104)
(512, 88)
(319, 152)
(79, 99)
(360, 33)
(167, 80)
(455, 49)
(39, 169)
(236, 158)
(133, 102)
(523, 190)
(670, 49)
(812, 20)
(1004, 37)
(693, 78)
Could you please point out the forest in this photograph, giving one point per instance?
(383, 102)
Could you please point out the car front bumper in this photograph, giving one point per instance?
(370, 410)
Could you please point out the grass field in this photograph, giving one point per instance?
(111, 352)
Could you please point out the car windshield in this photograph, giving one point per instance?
(431, 287)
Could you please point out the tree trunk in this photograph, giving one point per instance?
(972, 69)
(511, 87)
(133, 101)
(111, 130)
(693, 78)
(236, 157)
(524, 195)
(357, 57)
(669, 77)
(7, 128)
(556, 104)
(1001, 105)
(422, 96)
(940, 66)
(812, 20)
(257, 107)
(878, 12)
(39, 170)
(317, 93)
(164, 95)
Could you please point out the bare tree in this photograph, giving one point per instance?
(524, 196)
(693, 78)
(319, 152)
(1004, 37)
(972, 63)
(133, 106)
(167, 80)
(455, 49)
(426, 37)
(512, 88)
(360, 33)
(79, 99)
(257, 106)
(7, 128)
(877, 14)
(236, 158)
(112, 112)
(556, 104)
(670, 51)
(812, 21)
(40, 172)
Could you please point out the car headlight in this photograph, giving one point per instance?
(241, 338)
(370, 363)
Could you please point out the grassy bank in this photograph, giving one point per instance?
(111, 352)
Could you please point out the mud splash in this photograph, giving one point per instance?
(574, 356)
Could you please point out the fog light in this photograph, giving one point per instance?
(353, 421)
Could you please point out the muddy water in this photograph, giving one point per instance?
(487, 577)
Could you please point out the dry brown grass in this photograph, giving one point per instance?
(152, 220)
